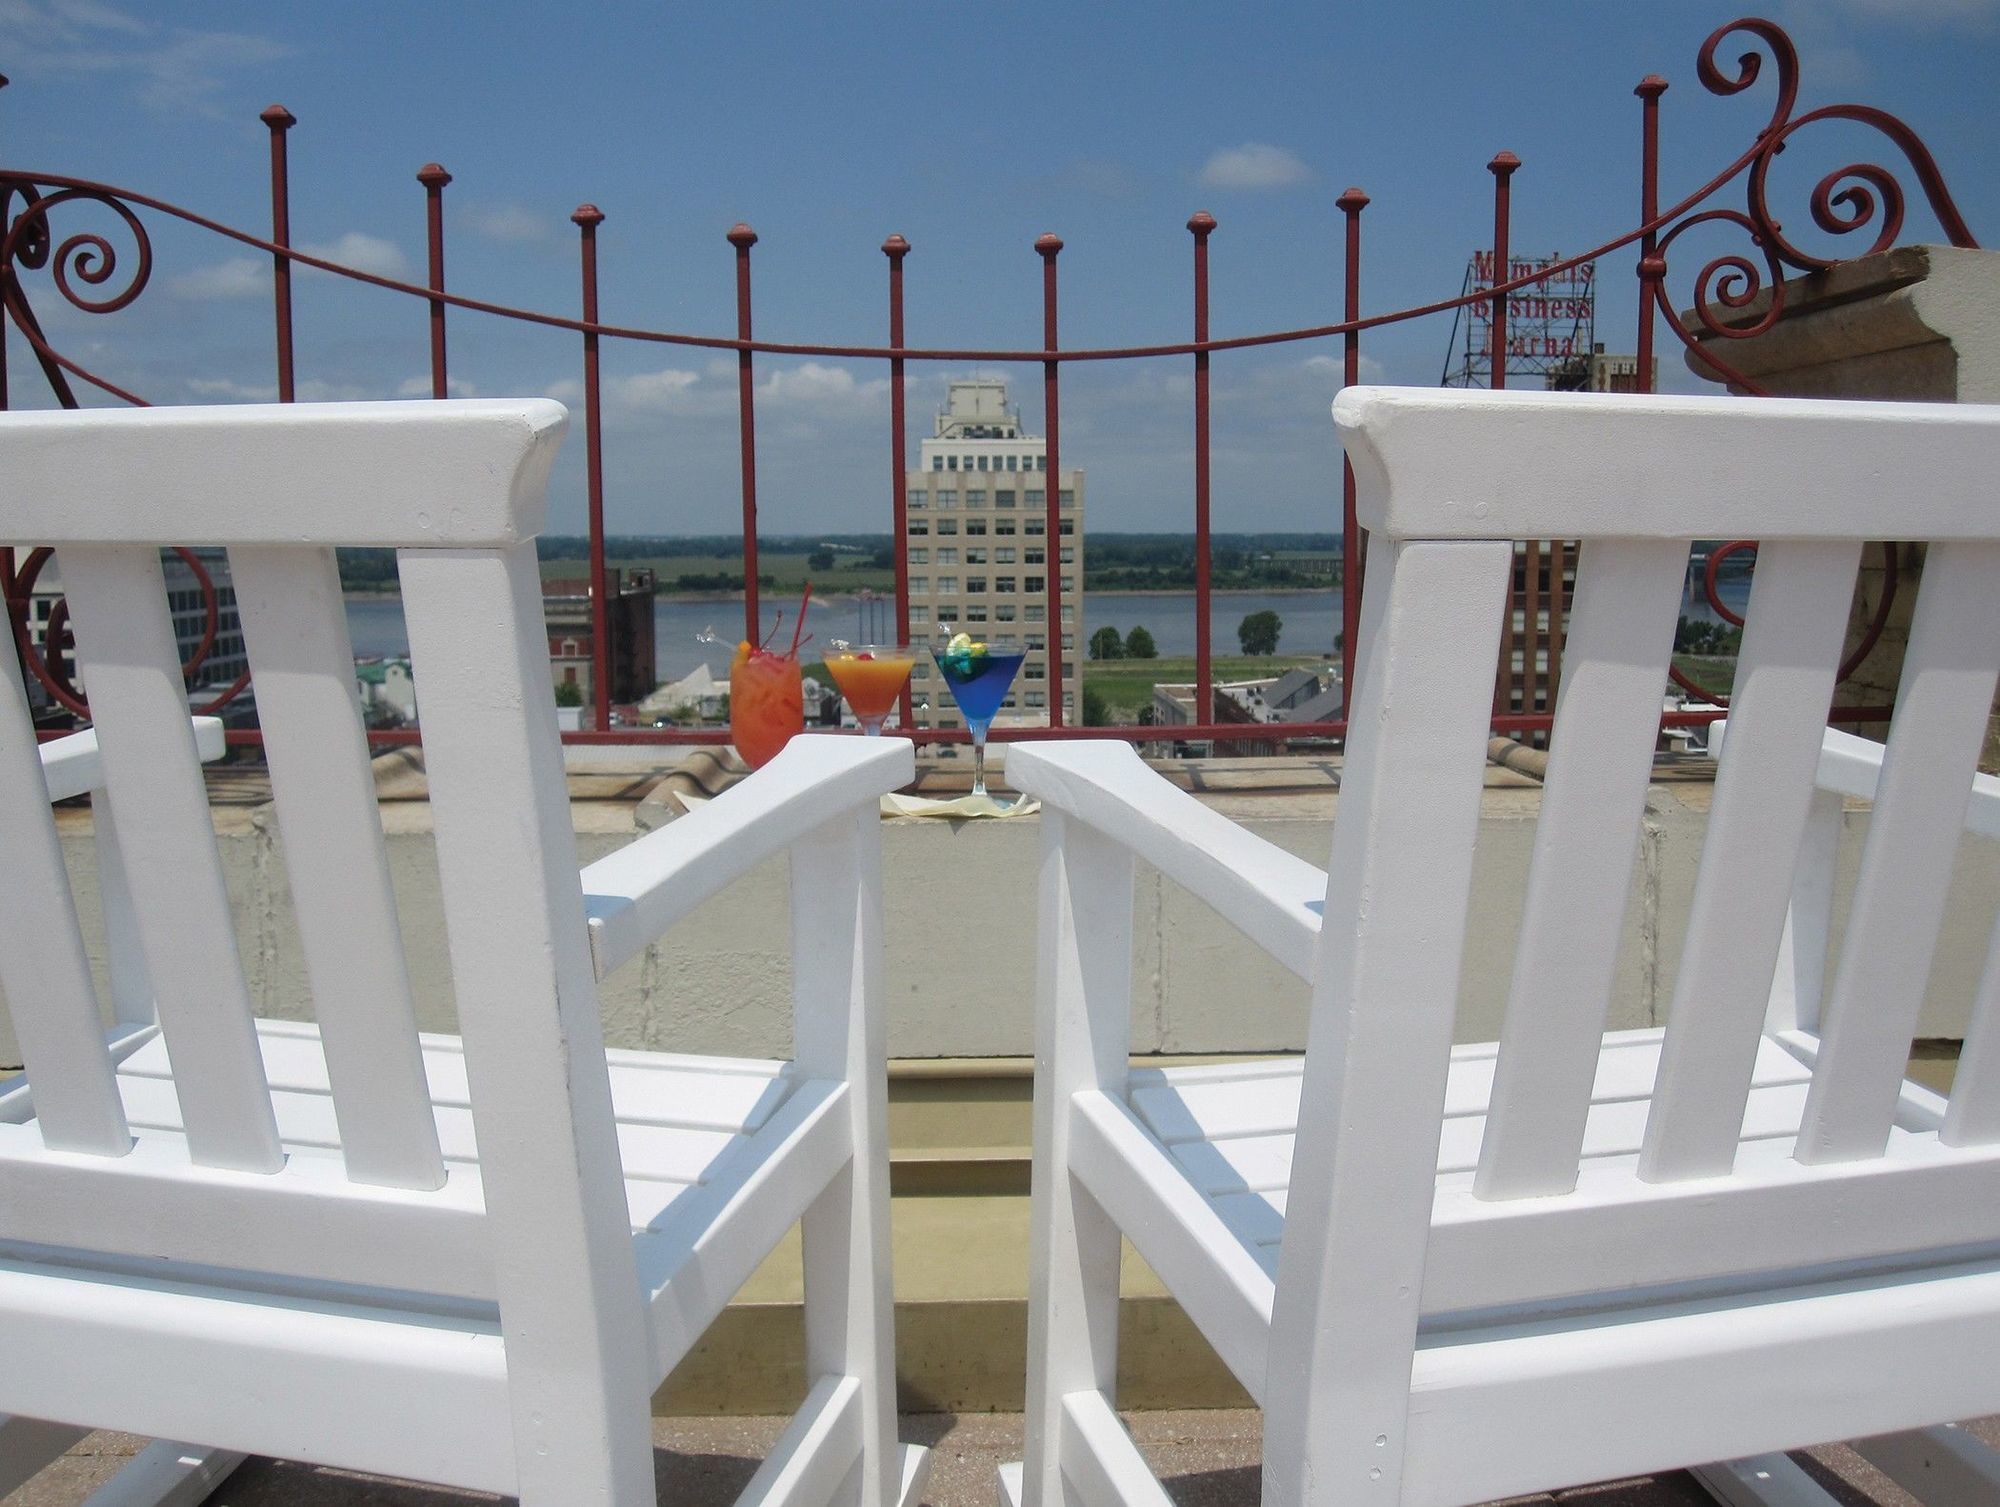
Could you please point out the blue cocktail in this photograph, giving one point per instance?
(979, 677)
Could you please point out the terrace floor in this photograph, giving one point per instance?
(1206, 1459)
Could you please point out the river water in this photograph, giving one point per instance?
(1310, 619)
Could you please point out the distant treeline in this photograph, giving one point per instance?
(1112, 561)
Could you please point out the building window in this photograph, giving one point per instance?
(947, 585)
(1069, 643)
(920, 557)
(982, 463)
(919, 528)
(1069, 583)
(947, 497)
(1003, 525)
(1041, 463)
(975, 614)
(1037, 640)
(1037, 498)
(948, 613)
(1069, 554)
(1067, 527)
(1036, 526)
(1013, 463)
(947, 556)
(975, 556)
(1037, 613)
(975, 497)
(1036, 583)
(920, 671)
(919, 585)
(937, 462)
(975, 525)
(1004, 498)
(1037, 555)
(1035, 670)
(1004, 612)
(975, 584)
(947, 525)
(1004, 555)
(1038, 699)
(951, 463)
(1068, 497)
(1068, 613)
(1004, 583)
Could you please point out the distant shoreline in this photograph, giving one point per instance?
(778, 594)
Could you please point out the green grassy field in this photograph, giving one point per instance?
(1714, 673)
(1127, 684)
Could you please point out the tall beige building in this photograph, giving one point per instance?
(980, 554)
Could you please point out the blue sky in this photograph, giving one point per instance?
(970, 129)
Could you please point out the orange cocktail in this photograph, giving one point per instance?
(766, 700)
(871, 677)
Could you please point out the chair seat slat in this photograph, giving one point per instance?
(1784, 685)
(1949, 670)
(303, 667)
(125, 643)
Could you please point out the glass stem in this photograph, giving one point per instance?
(979, 758)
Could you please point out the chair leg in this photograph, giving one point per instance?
(850, 1318)
(1082, 1038)
(841, 1032)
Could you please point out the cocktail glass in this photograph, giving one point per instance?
(871, 677)
(766, 703)
(979, 677)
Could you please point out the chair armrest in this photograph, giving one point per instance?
(1852, 766)
(634, 894)
(71, 765)
(1273, 898)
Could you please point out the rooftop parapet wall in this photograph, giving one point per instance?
(1914, 323)
(960, 902)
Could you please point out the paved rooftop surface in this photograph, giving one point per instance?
(1208, 1459)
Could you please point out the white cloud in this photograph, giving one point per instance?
(239, 277)
(1368, 368)
(813, 384)
(1254, 165)
(509, 223)
(364, 253)
(1940, 13)
(224, 390)
(420, 387)
(175, 69)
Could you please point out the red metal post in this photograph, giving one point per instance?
(1048, 246)
(1202, 224)
(586, 219)
(742, 237)
(896, 248)
(433, 177)
(281, 120)
(1502, 168)
(1652, 266)
(1353, 550)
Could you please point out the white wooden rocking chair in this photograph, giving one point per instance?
(1451, 1274)
(281, 1238)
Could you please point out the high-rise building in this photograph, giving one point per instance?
(980, 554)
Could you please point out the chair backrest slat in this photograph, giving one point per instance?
(125, 644)
(1600, 759)
(302, 665)
(1384, 997)
(1942, 702)
(565, 1272)
(43, 965)
(1784, 687)
(1973, 1116)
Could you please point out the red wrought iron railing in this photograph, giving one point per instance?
(1849, 200)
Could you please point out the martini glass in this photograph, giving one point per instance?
(979, 677)
(871, 677)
